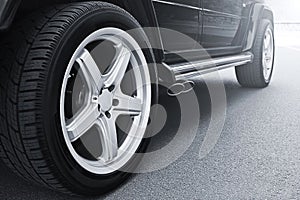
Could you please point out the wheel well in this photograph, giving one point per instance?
(258, 13)
(29, 6)
(268, 14)
(142, 11)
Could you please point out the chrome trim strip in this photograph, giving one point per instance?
(197, 8)
(209, 62)
(178, 4)
(220, 13)
(187, 51)
(194, 69)
(195, 74)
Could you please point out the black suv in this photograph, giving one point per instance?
(74, 72)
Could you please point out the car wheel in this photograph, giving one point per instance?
(258, 74)
(76, 93)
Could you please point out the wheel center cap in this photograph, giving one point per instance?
(105, 100)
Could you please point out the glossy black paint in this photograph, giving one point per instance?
(221, 20)
(222, 27)
(225, 26)
(257, 12)
(181, 16)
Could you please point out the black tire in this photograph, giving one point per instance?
(32, 66)
(251, 75)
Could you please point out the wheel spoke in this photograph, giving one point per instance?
(268, 58)
(265, 43)
(92, 102)
(90, 70)
(119, 66)
(82, 122)
(127, 105)
(268, 41)
(109, 141)
(266, 70)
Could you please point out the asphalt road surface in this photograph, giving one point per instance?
(256, 157)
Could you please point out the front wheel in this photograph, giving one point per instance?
(258, 74)
(75, 103)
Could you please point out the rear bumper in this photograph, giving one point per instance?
(8, 9)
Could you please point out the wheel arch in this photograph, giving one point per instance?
(142, 11)
(258, 12)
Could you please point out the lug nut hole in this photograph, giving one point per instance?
(108, 115)
(116, 102)
(111, 88)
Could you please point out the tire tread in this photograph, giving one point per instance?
(23, 68)
(250, 75)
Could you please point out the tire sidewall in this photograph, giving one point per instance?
(264, 25)
(86, 182)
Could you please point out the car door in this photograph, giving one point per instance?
(182, 16)
(221, 21)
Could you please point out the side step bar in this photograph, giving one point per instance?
(190, 70)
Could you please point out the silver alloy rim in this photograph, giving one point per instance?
(104, 101)
(268, 54)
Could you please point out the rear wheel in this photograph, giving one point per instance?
(76, 97)
(258, 74)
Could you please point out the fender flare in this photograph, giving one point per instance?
(258, 12)
(142, 11)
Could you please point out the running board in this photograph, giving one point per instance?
(191, 70)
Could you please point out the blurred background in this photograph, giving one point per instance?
(286, 11)
(287, 19)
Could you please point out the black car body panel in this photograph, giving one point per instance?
(179, 16)
(221, 20)
(257, 12)
(222, 27)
